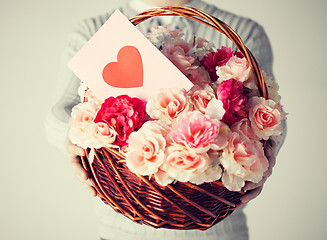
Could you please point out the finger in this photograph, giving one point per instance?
(90, 189)
(268, 173)
(272, 161)
(251, 185)
(76, 150)
(252, 194)
(73, 149)
(78, 169)
(270, 148)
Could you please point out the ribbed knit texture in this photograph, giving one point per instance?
(112, 225)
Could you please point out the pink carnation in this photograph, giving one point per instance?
(197, 75)
(124, 114)
(231, 94)
(214, 59)
(90, 97)
(243, 160)
(244, 127)
(176, 51)
(198, 132)
(199, 42)
(164, 31)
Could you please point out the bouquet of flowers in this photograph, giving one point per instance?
(214, 131)
(180, 159)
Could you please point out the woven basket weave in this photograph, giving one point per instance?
(176, 206)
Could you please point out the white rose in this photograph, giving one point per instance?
(236, 68)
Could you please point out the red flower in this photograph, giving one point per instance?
(230, 92)
(124, 113)
(217, 59)
(214, 59)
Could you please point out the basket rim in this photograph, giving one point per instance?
(213, 22)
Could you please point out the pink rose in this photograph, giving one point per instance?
(197, 75)
(200, 97)
(81, 124)
(124, 114)
(168, 104)
(201, 47)
(198, 132)
(216, 59)
(83, 114)
(185, 165)
(236, 68)
(176, 51)
(243, 160)
(104, 134)
(244, 127)
(231, 94)
(265, 116)
(163, 177)
(146, 148)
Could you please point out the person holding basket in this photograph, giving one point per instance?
(114, 226)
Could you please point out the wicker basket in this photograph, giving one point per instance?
(176, 206)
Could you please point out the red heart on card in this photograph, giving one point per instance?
(127, 72)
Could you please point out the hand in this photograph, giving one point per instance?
(74, 152)
(254, 189)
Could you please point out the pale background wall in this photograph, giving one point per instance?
(40, 197)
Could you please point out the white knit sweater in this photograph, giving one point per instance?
(112, 225)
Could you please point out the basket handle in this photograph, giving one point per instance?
(213, 22)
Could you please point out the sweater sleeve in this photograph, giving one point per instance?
(57, 118)
(260, 46)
